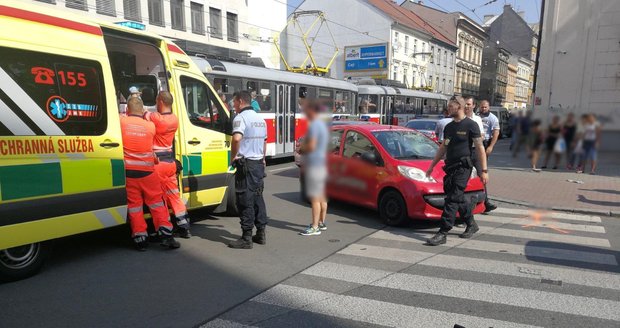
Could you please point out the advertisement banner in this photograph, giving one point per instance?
(369, 57)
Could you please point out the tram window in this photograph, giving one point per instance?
(264, 98)
(368, 104)
(426, 106)
(399, 105)
(434, 108)
(251, 85)
(221, 84)
(343, 102)
(307, 92)
(326, 97)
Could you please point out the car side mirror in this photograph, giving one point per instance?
(369, 157)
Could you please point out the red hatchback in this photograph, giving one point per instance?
(383, 167)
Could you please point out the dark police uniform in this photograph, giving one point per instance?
(458, 170)
(250, 172)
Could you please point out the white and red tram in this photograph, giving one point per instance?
(278, 94)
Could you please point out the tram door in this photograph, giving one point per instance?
(285, 118)
(387, 109)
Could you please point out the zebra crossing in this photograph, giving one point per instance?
(523, 269)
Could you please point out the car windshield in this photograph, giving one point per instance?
(403, 144)
(422, 125)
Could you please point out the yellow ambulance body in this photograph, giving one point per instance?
(63, 80)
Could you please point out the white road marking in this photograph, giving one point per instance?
(525, 270)
(533, 299)
(522, 250)
(371, 311)
(555, 215)
(545, 223)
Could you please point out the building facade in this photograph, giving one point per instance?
(509, 103)
(494, 77)
(523, 84)
(218, 28)
(467, 35)
(579, 69)
(510, 31)
(411, 43)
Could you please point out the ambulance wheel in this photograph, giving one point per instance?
(392, 208)
(22, 261)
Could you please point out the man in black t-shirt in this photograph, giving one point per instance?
(459, 137)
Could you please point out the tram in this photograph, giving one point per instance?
(396, 106)
(278, 95)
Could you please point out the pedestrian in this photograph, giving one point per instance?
(535, 142)
(143, 184)
(470, 112)
(553, 134)
(441, 125)
(569, 132)
(459, 137)
(591, 142)
(490, 134)
(523, 132)
(248, 153)
(314, 150)
(166, 126)
(255, 105)
(514, 124)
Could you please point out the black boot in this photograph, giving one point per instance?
(438, 239)
(470, 230)
(260, 237)
(168, 241)
(488, 207)
(183, 233)
(140, 243)
(245, 242)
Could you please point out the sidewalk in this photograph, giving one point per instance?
(511, 180)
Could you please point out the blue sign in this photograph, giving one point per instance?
(134, 25)
(372, 57)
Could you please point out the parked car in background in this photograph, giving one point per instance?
(426, 126)
(383, 167)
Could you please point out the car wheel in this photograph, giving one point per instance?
(22, 261)
(393, 209)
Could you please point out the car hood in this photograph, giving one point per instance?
(438, 172)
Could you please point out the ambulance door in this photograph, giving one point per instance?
(203, 142)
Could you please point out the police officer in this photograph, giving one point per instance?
(459, 136)
(248, 154)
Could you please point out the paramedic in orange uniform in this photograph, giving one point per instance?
(166, 125)
(143, 184)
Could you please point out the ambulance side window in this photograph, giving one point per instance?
(203, 108)
(48, 94)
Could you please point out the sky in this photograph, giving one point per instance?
(530, 7)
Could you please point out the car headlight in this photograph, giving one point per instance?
(414, 173)
(474, 173)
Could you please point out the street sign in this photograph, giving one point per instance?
(363, 58)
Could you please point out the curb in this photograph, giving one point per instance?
(587, 211)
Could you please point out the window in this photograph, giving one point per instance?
(132, 10)
(396, 35)
(451, 60)
(177, 14)
(335, 137)
(405, 76)
(406, 44)
(423, 46)
(156, 12)
(415, 46)
(368, 104)
(461, 49)
(232, 27)
(432, 54)
(203, 107)
(76, 4)
(106, 7)
(68, 93)
(344, 102)
(198, 20)
(445, 58)
(356, 144)
(395, 74)
(404, 144)
(215, 23)
(438, 57)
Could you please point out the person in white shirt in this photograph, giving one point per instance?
(441, 124)
(470, 105)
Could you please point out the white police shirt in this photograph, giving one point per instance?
(254, 131)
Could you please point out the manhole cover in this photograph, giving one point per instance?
(334, 240)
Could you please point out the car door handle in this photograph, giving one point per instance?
(109, 144)
(194, 142)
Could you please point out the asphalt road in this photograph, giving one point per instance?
(563, 272)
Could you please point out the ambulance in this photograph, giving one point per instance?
(63, 80)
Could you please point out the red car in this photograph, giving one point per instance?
(383, 167)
